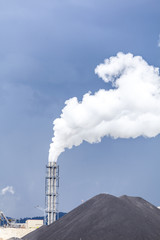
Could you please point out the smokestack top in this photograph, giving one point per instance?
(51, 164)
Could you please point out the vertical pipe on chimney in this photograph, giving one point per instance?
(54, 191)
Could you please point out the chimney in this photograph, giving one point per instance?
(51, 191)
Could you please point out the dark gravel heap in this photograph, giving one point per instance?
(14, 238)
(105, 217)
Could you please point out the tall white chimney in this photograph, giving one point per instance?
(52, 184)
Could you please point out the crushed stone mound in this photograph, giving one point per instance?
(15, 238)
(105, 217)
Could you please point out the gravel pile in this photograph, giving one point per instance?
(105, 217)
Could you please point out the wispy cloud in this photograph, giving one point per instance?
(8, 189)
(159, 41)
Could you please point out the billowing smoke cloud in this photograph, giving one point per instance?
(131, 108)
(8, 189)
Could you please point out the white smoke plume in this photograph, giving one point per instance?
(131, 108)
(8, 189)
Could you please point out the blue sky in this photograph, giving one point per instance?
(48, 53)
